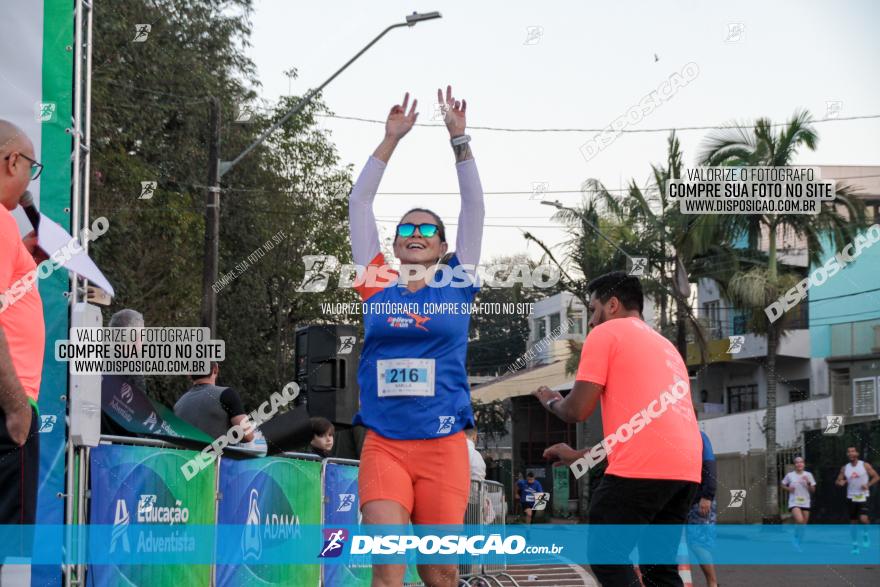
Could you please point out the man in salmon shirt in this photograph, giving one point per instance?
(652, 441)
(22, 337)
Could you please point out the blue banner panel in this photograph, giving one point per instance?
(140, 494)
(270, 500)
(342, 508)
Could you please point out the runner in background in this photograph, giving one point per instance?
(799, 484)
(526, 489)
(857, 476)
(703, 514)
(477, 463)
(517, 498)
(414, 394)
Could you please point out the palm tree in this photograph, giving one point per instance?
(754, 289)
(678, 246)
(585, 253)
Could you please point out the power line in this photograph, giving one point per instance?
(648, 189)
(810, 300)
(597, 130)
(842, 316)
(155, 92)
(845, 295)
(228, 189)
(414, 193)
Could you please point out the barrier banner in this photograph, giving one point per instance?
(342, 508)
(144, 486)
(272, 497)
(125, 403)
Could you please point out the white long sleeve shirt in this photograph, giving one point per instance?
(478, 465)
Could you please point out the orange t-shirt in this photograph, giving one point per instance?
(646, 405)
(21, 310)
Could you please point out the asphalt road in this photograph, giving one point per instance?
(793, 576)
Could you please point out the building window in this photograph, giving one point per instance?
(741, 398)
(540, 328)
(740, 321)
(864, 396)
(840, 383)
(875, 206)
(799, 390)
(712, 314)
(577, 322)
(554, 323)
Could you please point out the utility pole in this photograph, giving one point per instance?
(212, 223)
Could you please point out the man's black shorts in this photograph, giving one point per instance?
(857, 508)
(19, 466)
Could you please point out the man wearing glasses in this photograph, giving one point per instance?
(22, 337)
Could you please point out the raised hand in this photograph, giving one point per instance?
(399, 120)
(455, 112)
(563, 453)
(545, 394)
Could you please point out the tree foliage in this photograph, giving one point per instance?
(150, 122)
(498, 339)
(492, 418)
(753, 289)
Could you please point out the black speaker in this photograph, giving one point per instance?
(288, 431)
(349, 440)
(326, 358)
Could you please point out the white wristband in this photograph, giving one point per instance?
(460, 140)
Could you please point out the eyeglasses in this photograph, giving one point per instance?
(36, 166)
(408, 229)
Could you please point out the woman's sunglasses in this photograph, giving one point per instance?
(408, 229)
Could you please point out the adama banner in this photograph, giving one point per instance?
(272, 499)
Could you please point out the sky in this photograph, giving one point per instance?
(529, 65)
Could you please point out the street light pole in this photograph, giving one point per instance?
(411, 20)
(221, 168)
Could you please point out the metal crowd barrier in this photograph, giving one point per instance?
(486, 506)
(494, 513)
(472, 517)
(490, 509)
